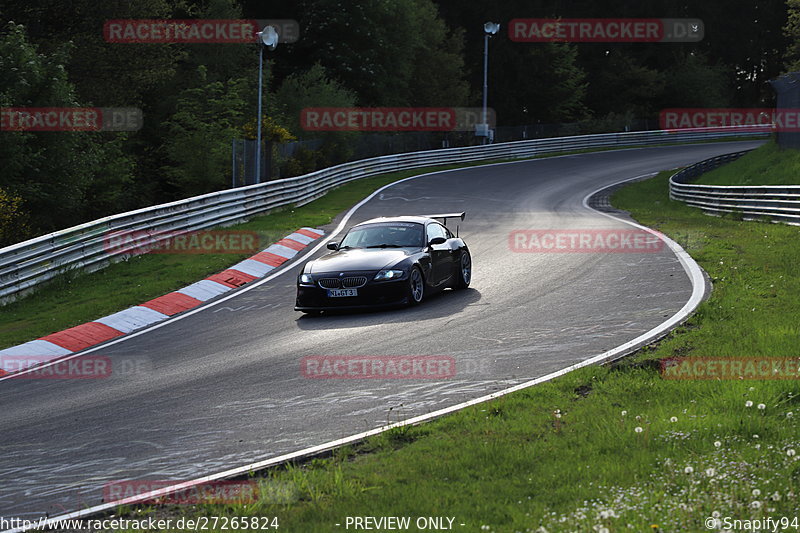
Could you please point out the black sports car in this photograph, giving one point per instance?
(386, 261)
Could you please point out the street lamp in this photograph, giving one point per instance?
(489, 29)
(268, 38)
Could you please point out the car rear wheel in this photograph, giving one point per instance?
(416, 287)
(464, 274)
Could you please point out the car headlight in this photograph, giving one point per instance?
(385, 275)
(306, 279)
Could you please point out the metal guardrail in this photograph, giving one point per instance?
(779, 203)
(27, 264)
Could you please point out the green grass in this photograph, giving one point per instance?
(566, 455)
(766, 165)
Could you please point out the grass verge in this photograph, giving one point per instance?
(612, 448)
(767, 165)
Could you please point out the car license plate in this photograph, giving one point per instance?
(339, 293)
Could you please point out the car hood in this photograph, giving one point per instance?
(358, 259)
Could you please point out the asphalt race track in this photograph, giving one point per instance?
(222, 387)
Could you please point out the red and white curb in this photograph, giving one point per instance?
(79, 338)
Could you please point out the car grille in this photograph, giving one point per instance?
(346, 283)
(353, 283)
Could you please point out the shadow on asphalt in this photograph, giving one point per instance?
(441, 304)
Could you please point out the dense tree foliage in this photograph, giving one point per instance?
(792, 30)
(200, 132)
(384, 50)
(54, 172)
(197, 97)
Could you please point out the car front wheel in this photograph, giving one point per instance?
(416, 287)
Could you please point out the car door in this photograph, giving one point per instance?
(441, 261)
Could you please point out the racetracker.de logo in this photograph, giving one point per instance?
(196, 31)
(378, 367)
(187, 242)
(539, 30)
(85, 367)
(584, 241)
(153, 491)
(70, 119)
(725, 368)
(394, 118)
(759, 119)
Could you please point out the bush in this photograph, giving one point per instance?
(13, 219)
(302, 162)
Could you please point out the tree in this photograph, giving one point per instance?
(746, 37)
(51, 171)
(309, 88)
(742, 47)
(384, 50)
(198, 146)
(530, 83)
(13, 219)
(792, 32)
(438, 77)
(691, 82)
(104, 74)
(223, 61)
(113, 180)
(313, 88)
(621, 83)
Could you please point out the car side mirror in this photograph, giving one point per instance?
(332, 245)
(437, 240)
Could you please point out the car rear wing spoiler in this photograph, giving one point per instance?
(444, 216)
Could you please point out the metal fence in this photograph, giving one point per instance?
(276, 157)
(27, 264)
(773, 202)
(273, 156)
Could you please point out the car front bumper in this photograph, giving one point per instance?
(373, 294)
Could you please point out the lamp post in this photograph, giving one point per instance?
(489, 29)
(268, 38)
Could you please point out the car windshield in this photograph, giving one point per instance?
(384, 235)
